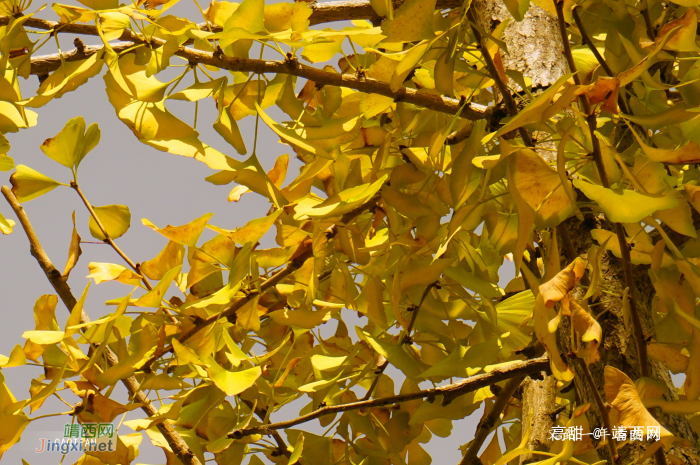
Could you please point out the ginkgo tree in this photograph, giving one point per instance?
(442, 150)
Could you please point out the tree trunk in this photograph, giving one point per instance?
(537, 408)
(618, 348)
(535, 50)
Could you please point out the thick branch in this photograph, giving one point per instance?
(42, 65)
(177, 444)
(448, 393)
(326, 12)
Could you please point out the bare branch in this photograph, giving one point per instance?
(448, 393)
(176, 443)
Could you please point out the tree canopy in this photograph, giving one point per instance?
(428, 164)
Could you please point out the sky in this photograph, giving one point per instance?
(165, 188)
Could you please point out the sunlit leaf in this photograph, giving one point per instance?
(624, 205)
(28, 184)
(115, 220)
(70, 146)
(187, 234)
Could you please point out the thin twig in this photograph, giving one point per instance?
(486, 425)
(108, 239)
(648, 24)
(176, 443)
(378, 374)
(414, 313)
(602, 408)
(586, 39)
(230, 312)
(448, 393)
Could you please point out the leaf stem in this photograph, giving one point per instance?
(602, 408)
(107, 238)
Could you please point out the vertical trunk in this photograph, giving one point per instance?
(538, 406)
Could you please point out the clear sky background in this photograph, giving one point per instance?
(165, 188)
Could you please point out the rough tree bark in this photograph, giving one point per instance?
(618, 347)
(534, 44)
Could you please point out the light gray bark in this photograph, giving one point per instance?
(534, 44)
(538, 405)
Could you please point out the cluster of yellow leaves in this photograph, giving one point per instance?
(384, 219)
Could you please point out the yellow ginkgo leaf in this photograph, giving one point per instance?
(115, 220)
(588, 333)
(102, 272)
(675, 361)
(28, 184)
(13, 423)
(556, 289)
(233, 382)
(44, 337)
(6, 225)
(628, 410)
(187, 234)
(168, 258)
(542, 188)
(413, 21)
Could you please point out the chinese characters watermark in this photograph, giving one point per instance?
(86, 437)
(88, 430)
(618, 433)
